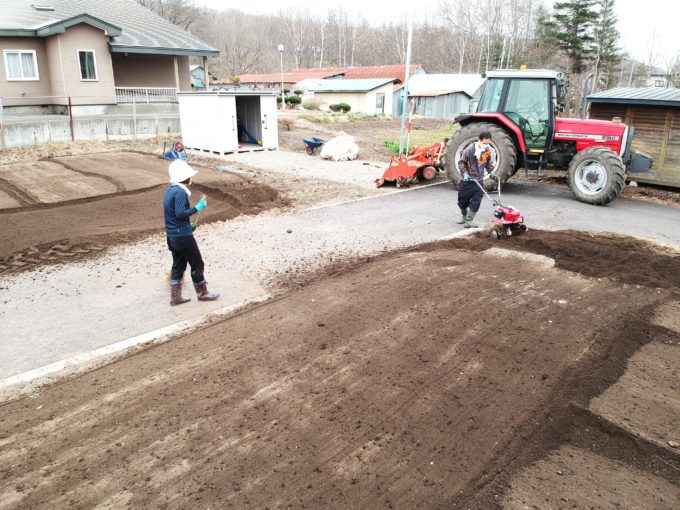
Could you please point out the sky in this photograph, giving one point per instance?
(643, 24)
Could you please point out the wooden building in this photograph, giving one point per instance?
(655, 114)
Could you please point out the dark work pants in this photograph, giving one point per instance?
(469, 196)
(185, 250)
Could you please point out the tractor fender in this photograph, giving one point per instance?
(498, 118)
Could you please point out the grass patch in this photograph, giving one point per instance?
(319, 118)
(393, 146)
(354, 117)
(424, 137)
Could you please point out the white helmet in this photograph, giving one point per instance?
(180, 171)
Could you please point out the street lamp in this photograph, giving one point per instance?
(283, 93)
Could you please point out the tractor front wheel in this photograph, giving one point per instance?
(503, 152)
(596, 176)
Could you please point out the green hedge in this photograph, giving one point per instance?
(340, 107)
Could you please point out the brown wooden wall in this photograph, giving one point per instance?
(657, 132)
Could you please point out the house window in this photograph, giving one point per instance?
(21, 65)
(88, 67)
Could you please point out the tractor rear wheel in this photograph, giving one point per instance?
(502, 148)
(596, 176)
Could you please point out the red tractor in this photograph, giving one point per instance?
(521, 111)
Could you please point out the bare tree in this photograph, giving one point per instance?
(454, 41)
(299, 24)
(673, 68)
(183, 13)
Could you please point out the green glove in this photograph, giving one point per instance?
(466, 177)
(202, 204)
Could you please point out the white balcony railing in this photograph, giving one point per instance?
(146, 95)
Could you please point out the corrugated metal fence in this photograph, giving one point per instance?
(84, 118)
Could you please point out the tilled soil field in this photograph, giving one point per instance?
(461, 374)
(73, 207)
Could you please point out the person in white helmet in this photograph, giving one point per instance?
(180, 236)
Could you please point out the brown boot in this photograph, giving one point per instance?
(203, 294)
(176, 295)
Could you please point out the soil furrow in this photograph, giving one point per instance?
(20, 195)
(120, 186)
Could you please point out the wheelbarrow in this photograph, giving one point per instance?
(313, 145)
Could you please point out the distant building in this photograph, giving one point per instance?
(445, 96)
(658, 77)
(371, 96)
(198, 77)
(654, 112)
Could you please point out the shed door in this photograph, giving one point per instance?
(380, 102)
(270, 131)
(229, 132)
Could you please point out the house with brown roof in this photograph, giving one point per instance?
(92, 52)
(272, 81)
(372, 96)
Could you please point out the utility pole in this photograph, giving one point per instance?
(405, 103)
(283, 93)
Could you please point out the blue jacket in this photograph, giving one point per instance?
(177, 211)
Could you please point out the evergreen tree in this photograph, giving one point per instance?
(607, 58)
(572, 26)
(545, 49)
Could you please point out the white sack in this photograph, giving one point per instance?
(340, 148)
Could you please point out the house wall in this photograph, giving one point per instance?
(657, 132)
(64, 66)
(141, 70)
(363, 102)
(25, 89)
(371, 97)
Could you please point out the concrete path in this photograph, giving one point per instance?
(358, 172)
(60, 312)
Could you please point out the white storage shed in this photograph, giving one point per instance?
(228, 121)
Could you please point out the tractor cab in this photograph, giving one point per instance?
(531, 101)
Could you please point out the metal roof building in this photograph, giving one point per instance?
(444, 96)
(350, 85)
(653, 96)
(654, 112)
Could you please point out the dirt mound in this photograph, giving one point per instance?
(427, 378)
(620, 258)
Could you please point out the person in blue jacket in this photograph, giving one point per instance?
(179, 232)
(474, 162)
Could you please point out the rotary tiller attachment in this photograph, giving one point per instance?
(507, 221)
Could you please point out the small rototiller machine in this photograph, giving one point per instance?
(422, 163)
(507, 221)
